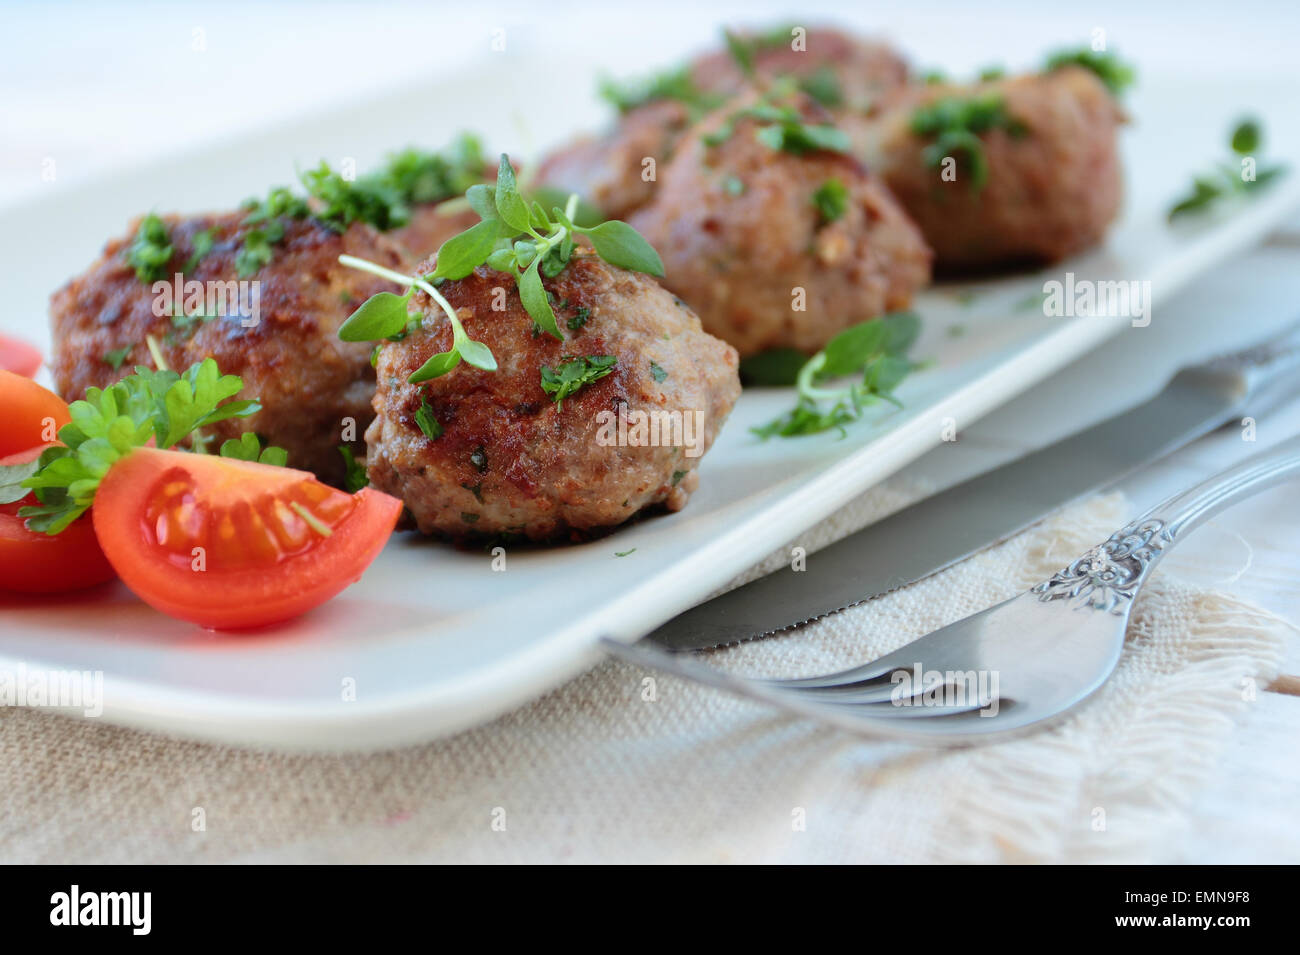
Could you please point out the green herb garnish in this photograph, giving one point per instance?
(1227, 179)
(574, 373)
(956, 123)
(657, 372)
(1117, 75)
(117, 356)
(150, 250)
(249, 447)
(831, 200)
(676, 84)
(512, 236)
(108, 425)
(354, 478)
(874, 352)
(430, 425)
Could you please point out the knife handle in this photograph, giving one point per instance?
(1269, 373)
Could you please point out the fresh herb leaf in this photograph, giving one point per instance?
(201, 246)
(1117, 75)
(657, 372)
(619, 244)
(831, 200)
(354, 477)
(823, 86)
(157, 405)
(574, 373)
(12, 477)
(427, 422)
(248, 447)
(150, 250)
(876, 351)
(579, 318)
(117, 356)
(676, 84)
(380, 316)
(1229, 180)
(624, 553)
(956, 122)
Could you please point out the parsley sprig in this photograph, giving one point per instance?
(151, 404)
(150, 250)
(874, 353)
(512, 236)
(1227, 180)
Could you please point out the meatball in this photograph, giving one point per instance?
(778, 248)
(1053, 181)
(429, 227)
(496, 455)
(837, 69)
(610, 171)
(309, 383)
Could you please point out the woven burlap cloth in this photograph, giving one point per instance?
(613, 768)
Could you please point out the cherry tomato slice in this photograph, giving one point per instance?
(232, 544)
(36, 563)
(32, 414)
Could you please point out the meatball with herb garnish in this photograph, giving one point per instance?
(775, 235)
(840, 71)
(269, 300)
(540, 389)
(1011, 172)
(617, 171)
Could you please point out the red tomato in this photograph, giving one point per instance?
(36, 563)
(19, 357)
(32, 414)
(229, 544)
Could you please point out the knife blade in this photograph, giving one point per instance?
(937, 532)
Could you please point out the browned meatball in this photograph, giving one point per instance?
(429, 227)
(504, 457)
(309, 382)
(611, 171)
(749, 233)
(1054, 182)
(839, 70)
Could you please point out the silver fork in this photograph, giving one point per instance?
(1025, 661)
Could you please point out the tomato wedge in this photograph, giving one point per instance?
(36, 563)
(19, 357)
(232, 544)
(32, 414)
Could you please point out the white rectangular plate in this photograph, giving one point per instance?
(433, 638)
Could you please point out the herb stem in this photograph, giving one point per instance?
(156, 352)
(458, 330)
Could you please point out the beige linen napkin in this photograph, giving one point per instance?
(626, 765)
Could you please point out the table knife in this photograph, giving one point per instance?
(939, 531)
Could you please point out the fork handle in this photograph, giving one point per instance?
(1111, 573)
(1186, 511)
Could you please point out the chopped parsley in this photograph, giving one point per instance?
(354, 478)
(1117, 75)
(956, 122)
(574, 373)
(428, 423)
(657, 372)
(578, 318)
(831, 200)
(150, 250)
(117, 356)
(676, 84)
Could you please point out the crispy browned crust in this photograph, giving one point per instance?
(309, 383)
(510, 461)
